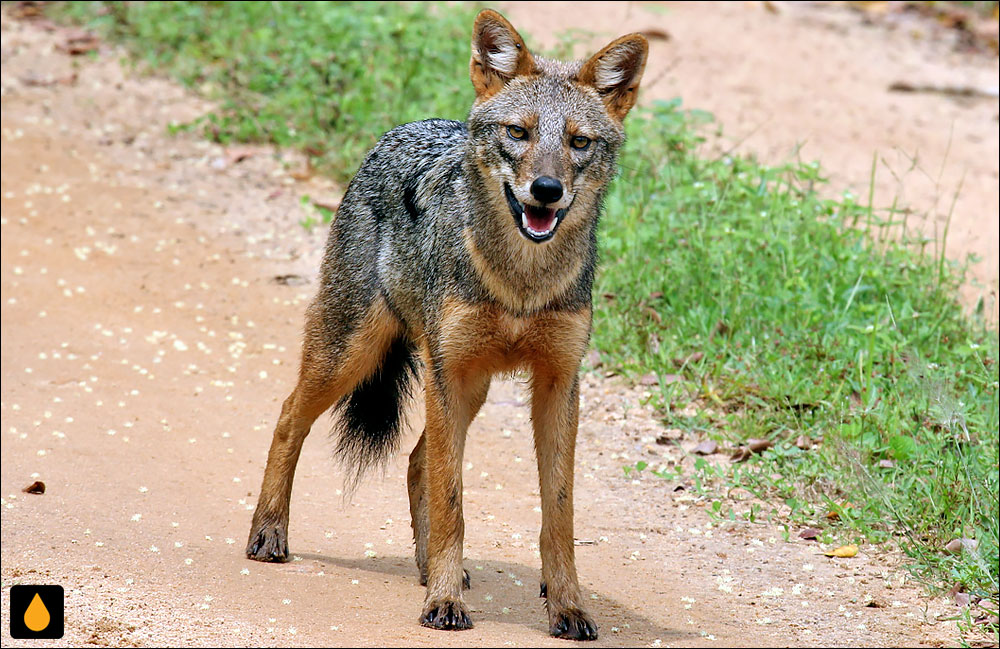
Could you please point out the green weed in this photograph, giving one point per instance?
(326, 77)
(789, 315)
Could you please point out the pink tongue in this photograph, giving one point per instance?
(539, 218)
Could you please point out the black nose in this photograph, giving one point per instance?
(546, 189)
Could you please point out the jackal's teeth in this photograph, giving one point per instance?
(524, 223)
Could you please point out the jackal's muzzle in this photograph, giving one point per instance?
(536, 223)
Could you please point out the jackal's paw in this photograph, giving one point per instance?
(270, 543)
(447, 614)
(466, 579)
(572, 624)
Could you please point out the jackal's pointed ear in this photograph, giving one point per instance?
(615, 72)
(498, 54)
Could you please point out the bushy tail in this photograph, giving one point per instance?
(369, 420)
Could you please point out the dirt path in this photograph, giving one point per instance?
(146, 349)
(792, 79)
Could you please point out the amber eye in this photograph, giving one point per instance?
(580, 142)
(517, 133)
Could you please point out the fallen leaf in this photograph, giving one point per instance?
(834, 514)
(741, 455)
(655, 34)
(331, 205)
(759, 445)
(652, 313)
(962, 600)
(810, 533)
(36, 487)
(706, 447)
(290, 279)
(670, 436)
(649, 379)
(984, 92)
(27, 10)
(78, 42)
(886, 464)
(302, 173)
(656, 295)
(693, 358)
(239, 154)
(843, 552)
(955, 546)
(803, 442)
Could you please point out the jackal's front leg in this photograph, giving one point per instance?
(555, 412)
(451, 405)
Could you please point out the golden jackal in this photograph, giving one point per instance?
(467, 248)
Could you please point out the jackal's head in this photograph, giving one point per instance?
(546, 134)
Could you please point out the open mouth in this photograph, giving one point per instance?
(538, 224)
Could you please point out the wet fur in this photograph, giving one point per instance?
(425, 265)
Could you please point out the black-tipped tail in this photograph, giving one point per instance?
(369, 420)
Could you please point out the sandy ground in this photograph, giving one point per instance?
(146, 350)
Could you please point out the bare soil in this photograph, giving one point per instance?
(148, 342)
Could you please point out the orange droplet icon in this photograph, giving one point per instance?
(36, 616)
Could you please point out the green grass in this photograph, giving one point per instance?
(782, 314)
(788, 315)
(326, 77)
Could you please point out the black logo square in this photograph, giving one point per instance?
(37, 612)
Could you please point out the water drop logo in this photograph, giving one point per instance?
(36, 612)
(37, 616)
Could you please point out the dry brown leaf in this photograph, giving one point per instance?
(655, 34)
(843, 552)
(36, 487)
(759, 445)
(332, 205)
(78, 42)
(741, 455)
(652, 313)
(834, 514)
(706, 447)
(886, 464)
(810, 533)
(290, 279)
(239, 154)
(648, 379)
(803, 442)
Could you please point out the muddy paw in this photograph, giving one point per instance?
(572, 624)
(447, 615)
(466, 579)
(268, 544)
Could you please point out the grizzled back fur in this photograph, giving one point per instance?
(468, 211)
